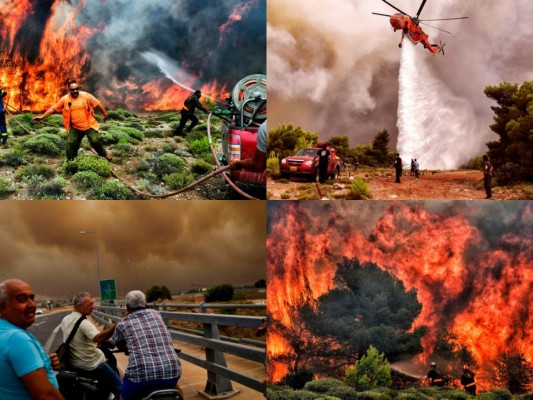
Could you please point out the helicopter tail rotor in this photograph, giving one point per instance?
(441, 48)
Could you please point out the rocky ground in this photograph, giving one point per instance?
(432, 185)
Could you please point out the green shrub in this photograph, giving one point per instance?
(124, 150)
(359, 190)
(14, 158)
(486, 396)
(51, 130)
(168, 148)
(50, 190)
(219, 293)
(344, 393)
(45, 143)
(119, 114)
(56, 120)
(113, 190)
(134, 124)
(195, 135)
(502, 393)
(107, 138)
(273, 164)
(373, 395)
(16, 121)
(87, 163)
(131, 132)
(371, 371)
(323, 385)
(154, 133)
(526, 396)
(201, 167)
(35, 169)
(167, 164)
(199, 146)
(87, 180)
(178, 180)
(6, 188)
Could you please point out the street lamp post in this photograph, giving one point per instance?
(97, 257)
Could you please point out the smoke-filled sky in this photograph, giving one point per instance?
(334, 69)
(140, 244)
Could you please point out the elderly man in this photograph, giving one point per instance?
(25, 369)
(84, 352)
(153, 363)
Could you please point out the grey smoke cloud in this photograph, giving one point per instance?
(335, 69)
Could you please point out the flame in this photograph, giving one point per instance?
(479, 291)
(35, 74)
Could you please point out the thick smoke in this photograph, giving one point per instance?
(335, 69)
(187, 31)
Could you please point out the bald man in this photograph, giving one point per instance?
(25, 368)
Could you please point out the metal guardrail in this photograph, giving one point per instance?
(219, 377)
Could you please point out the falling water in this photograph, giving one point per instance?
(435, 126)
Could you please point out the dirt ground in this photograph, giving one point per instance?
(434, 185)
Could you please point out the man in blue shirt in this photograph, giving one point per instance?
(25, 368)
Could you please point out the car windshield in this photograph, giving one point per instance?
(306, 152)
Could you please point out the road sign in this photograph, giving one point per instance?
(108, 289)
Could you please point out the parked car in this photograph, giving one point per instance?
(304, 164)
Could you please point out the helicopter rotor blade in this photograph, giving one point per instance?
(443, 19)
(396, 8)
(434, 27)
(421, 7)
(385, 15)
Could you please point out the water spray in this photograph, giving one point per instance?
(171, 70)
(435, 126)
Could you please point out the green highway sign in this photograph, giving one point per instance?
(108, 289)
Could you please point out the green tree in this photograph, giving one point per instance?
(260, 284)
(283, 140)
(512, 154)
(380, 147)
(341, 144)
(219, 293)
(370, 372)
(156, 293)
(367, 307)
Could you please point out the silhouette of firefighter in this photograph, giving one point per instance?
(468, 380)
(187, 112)
(434, 376)
(323, 161)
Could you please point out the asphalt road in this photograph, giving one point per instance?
(46, 329)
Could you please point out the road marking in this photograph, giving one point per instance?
(50, 340)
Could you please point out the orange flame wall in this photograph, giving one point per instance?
(475, 282)
(34, 69)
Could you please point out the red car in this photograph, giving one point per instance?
(305, 164)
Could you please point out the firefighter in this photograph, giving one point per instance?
(323, 162)
(434, 376)
(468, 380)
(3, 125)
(187, 112)
(398, 167)
(487, 176)
(78, 117)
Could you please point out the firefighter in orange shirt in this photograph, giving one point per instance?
(78, 117)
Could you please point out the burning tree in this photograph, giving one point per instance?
(513, 371)
(368, 307)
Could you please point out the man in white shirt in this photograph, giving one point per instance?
(84, 352)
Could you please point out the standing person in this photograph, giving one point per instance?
(356, 163)
(323, 162)
(153, 362)
(258, 162)
(487, 176)
(434, 376)
(78, 117)
(468, 380)
(3, 125)
(187, 112)
(417, 169)
(398, 167)
(84, 352)
(26, 371)
(412, 166)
